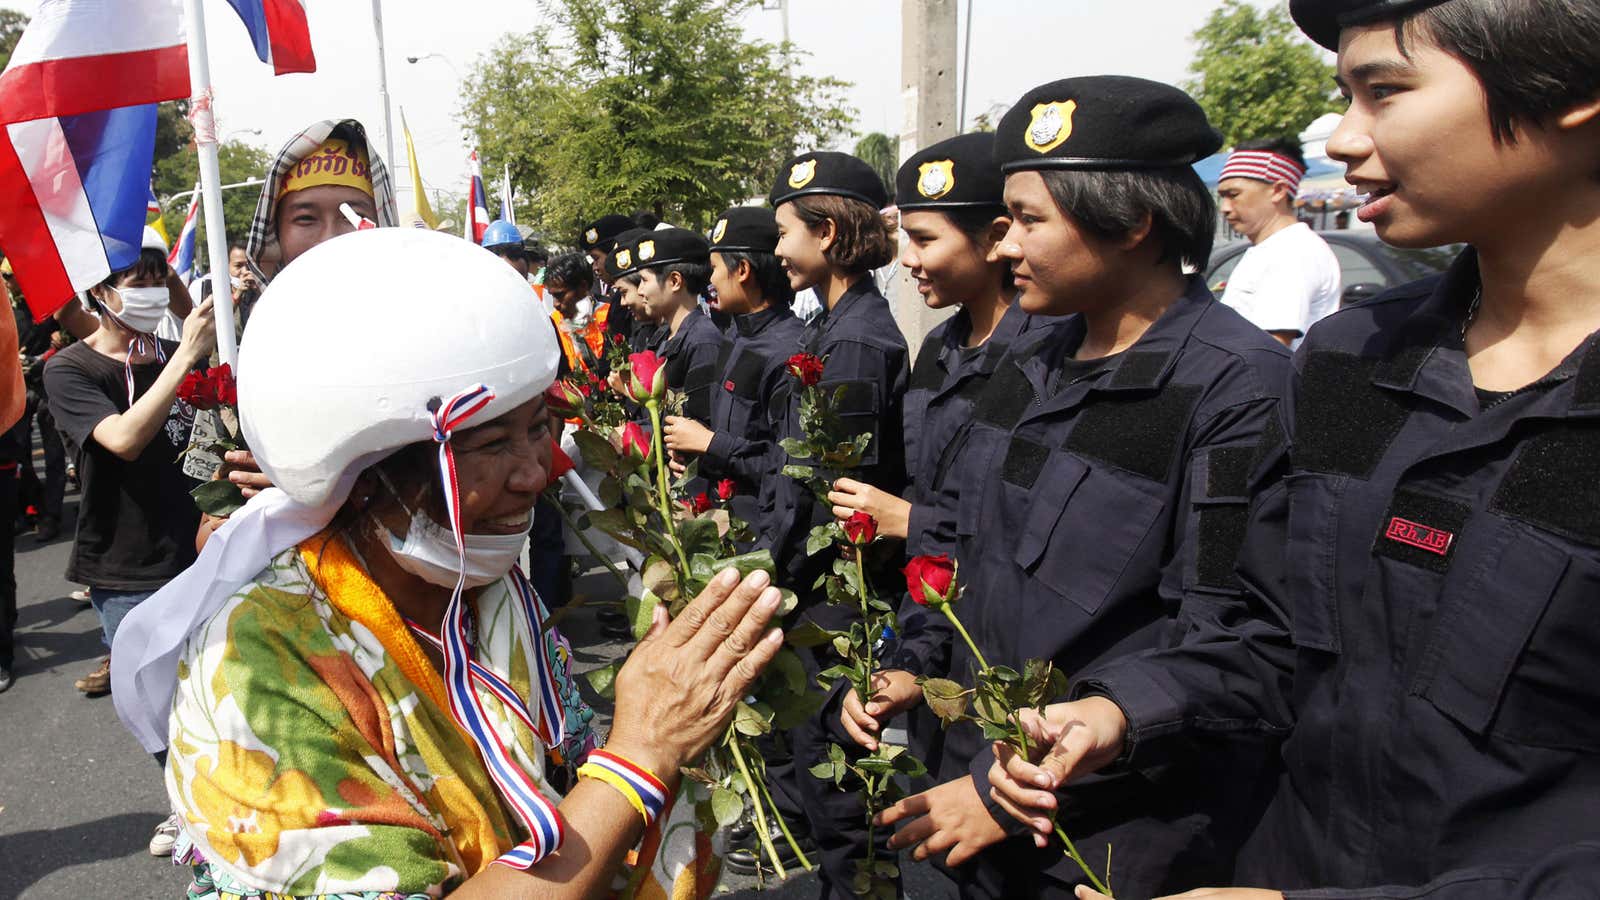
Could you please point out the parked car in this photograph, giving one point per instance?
(1368, 266)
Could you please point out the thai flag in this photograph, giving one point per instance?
(278, 29)
(477, 220)
(181, 259)
(77, 137)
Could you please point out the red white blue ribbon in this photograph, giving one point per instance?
(647, 786)
(537, 814)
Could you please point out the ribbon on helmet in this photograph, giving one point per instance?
(536, 813)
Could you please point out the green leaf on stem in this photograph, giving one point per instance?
(748, 722)
(604, 680)
(809, 634)
(945, 698)
(597, 451)
(726, 806)
(796, 448)
(798, 473)
(218, 498)
(640, 611)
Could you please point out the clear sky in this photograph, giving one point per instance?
(1016, 44)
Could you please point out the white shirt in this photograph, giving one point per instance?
(1287, 282)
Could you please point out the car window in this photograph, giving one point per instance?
(1355, 268)
(1218, 279)
(1422, 263)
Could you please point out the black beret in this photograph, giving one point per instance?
(746, 229)
(828, 172)
(1103, 122)
(662, 247)
(1322, 20)
(956, 172)
(632, 234)
(601, 233)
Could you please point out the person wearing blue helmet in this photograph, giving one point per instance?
(504, 240)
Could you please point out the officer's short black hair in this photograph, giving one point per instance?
(863, 241)
(1535, 58)
(1112, 203)
(696, 274)
(1282, 145)
(631, 279)
(768, 272)
(571, 271)
(645, 219)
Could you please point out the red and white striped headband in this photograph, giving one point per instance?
(1263, 165)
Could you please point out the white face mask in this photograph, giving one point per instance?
(429, 551)
(142, 307)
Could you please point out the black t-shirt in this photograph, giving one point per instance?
(136, 520)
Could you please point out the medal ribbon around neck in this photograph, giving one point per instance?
(536, 813)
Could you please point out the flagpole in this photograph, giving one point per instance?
(383, 83)
(205, 138)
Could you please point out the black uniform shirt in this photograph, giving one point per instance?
(691, 356)
(1088, 522)
(1439, 564)
(744, 403)
(863, 350)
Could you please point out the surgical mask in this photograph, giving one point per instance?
(142, 307)
(429, 550)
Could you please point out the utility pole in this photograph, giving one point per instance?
(928, 93)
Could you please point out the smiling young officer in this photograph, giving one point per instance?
(1110, 448)
(1436, 545)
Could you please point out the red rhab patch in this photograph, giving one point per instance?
(1413, 534)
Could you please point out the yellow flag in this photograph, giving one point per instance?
(418, 193)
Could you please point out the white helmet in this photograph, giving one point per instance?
(349, 347)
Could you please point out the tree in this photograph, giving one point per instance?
(11, 25)
(878, 151)
(177, 168)
(1256, 78)
(662, 105)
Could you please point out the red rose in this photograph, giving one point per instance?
(725, 490)
(560, 462)
(209, 389)
(860, 528)
(700, 504)
(805, 367)
(564, 399)
(634, 442)
(647, 377)
(931, 579)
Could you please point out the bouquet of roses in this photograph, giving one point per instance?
(998, 692)
(214, 395)
(685, 543)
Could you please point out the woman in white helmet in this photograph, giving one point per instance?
(366, 701)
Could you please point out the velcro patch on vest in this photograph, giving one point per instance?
(1141, 436)
(745, 379)
(1554, 483)
(927, 374)
(1140, 368)
(1421, 530)
(1343, 423)
(1024, 461)
(1008, 395)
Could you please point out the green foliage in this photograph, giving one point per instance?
(12, 23)
(1256, 77)
(662, 105)
(878, 151)
(177, 168)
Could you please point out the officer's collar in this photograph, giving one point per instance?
(862, 287)
(1005, 333)
(1148, 364)
(671, 342)
(1427, 357)
(751, 324)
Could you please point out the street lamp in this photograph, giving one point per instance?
(440, 57)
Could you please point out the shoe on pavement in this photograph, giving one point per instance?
(46, 531)
(81, 595)
(5, 679)
(166, 835)
(98, 682)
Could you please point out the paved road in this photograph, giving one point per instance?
(78, 797)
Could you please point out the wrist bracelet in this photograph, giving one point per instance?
(643, 790)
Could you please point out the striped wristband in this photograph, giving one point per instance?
(644, 791)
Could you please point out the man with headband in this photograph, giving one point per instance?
(320, 185)
(1288, 279)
